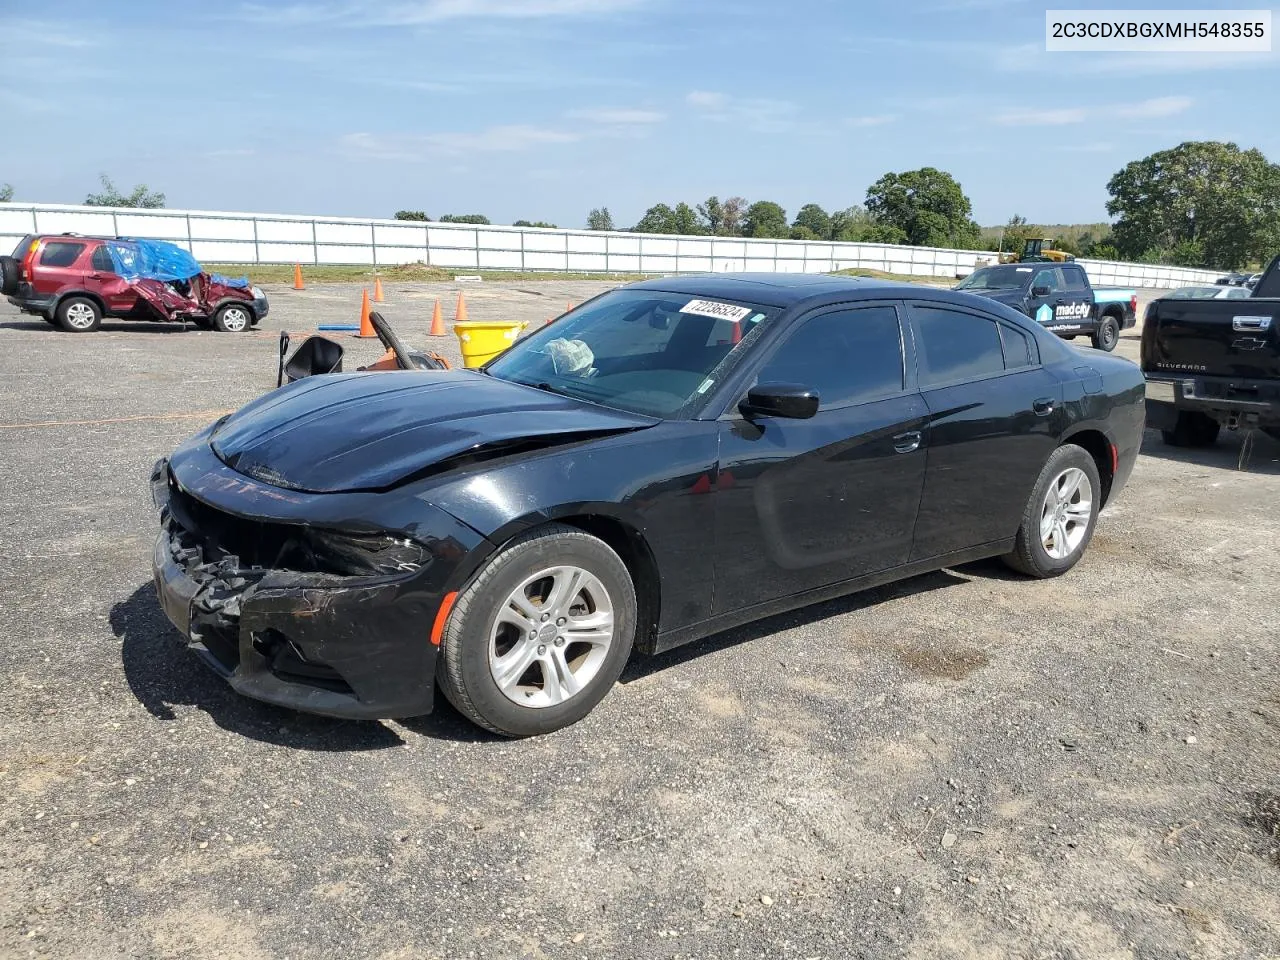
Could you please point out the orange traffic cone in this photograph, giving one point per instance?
(377, 289)
(297, 277)
(437, 321)
(366, 327)
(737, 332)
(460, 314)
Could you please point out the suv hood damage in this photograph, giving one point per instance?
(367, 432)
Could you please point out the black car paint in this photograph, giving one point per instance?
(1220, 358)
(722, 518)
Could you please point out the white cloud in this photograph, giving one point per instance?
(757, 114)
(511, 138)
(418, 12)
(1042, 118)
(706, 99)
(877, 120)
(1157, 107)
(1142, 109)
(619, 116)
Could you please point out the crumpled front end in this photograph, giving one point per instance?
(300, 616)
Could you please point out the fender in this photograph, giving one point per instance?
(239, 301)
(88, 295)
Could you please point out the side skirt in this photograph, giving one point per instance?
(734, 618)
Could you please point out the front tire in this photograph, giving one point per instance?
(1060, 515)
(1192, 429)
(540, 635)
(1107, 335)
(232, 318)
(79, 315)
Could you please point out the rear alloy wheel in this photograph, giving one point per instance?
(1192, 429)
(1058, 521)
(79, 315)
(1107, 335)
(540, 635)
(232, 318)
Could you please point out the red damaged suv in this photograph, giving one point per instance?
(74, 281)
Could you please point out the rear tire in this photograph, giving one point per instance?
(1107, 335)
(1192, 429)
(518, 617)
(232, 318)
(10, 269)
(1060, 515)
(79, 315)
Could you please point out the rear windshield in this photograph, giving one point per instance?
(24, 244)
(996, 278)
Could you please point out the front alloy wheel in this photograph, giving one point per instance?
(551, 637)
(540, 634)
(1065, 513)
(232, 319)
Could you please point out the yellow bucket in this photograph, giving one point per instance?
(481, 341)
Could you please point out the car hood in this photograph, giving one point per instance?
(372, 431)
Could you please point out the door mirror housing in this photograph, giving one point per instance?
(1040, 291)
(790, 401)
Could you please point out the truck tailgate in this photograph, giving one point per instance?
(1224, 338)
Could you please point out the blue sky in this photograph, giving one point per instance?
(542, 109)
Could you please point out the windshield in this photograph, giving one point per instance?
(1194, 293)
(996, 278)
(645, 351)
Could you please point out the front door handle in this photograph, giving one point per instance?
(1042, 407)
(907, 442)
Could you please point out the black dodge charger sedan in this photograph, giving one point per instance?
(668, 460)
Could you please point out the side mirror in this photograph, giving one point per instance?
(790, 401)
(1040, 291)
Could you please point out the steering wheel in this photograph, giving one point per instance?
(391, 341)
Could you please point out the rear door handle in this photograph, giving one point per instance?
(1042, 407)
(907, 442)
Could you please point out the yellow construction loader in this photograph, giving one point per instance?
(1037, 250)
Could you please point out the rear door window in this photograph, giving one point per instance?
(58, 253)
(1018, 348)
(102, 260)
(1075, 280)
(956, 346)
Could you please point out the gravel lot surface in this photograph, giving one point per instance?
(964, 765)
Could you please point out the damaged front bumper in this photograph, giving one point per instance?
(345, 646)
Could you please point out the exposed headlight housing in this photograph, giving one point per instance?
(365, 555)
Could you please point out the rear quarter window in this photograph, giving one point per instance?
(102, 260)
(58, 253)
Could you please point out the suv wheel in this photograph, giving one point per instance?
(10, 270)
(232, 318)
(1107, 335)
(79, 315)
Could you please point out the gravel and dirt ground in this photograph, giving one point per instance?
(964, 765)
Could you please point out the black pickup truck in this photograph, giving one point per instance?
(1211, 364)
(1059, 297)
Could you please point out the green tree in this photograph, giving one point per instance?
(418, 215)
(600, 219)
(1015, 234)
(732, 213)
(6, 192)
(884, 233)
(111, 197)
(712, 214)
(804, 233)
(535, 223)
(657, 219)
(686, 219)
(764, 218)
(479, 218)
(1213, 194)
(814, 219)
(927, 205)
(850, 224)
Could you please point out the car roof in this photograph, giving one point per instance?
(777, 289)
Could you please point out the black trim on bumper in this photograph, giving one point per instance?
(1228, 400)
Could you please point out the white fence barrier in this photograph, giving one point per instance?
(218, 237)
